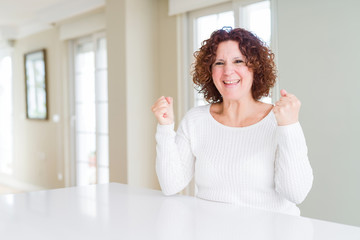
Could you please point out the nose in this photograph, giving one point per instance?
(228, 69)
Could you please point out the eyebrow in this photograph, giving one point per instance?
(220, 59)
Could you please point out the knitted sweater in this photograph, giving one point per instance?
(262, 166)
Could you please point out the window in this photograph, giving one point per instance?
(6, 115)
(90, 111)
(254, 17)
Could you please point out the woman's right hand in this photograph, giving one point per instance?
(163, 110)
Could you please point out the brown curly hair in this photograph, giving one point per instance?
(258, 57)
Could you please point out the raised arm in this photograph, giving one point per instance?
(174, 158)
(293, 173)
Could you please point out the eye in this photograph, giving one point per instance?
(239, 61)
(218, 63)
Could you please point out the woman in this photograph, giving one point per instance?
(240, 150)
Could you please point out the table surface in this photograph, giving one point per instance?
(118, 211)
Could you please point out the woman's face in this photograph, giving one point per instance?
(231, 76)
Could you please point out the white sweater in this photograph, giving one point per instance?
(262, 166)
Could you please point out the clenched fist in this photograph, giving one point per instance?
(163, 110)
(287, 109)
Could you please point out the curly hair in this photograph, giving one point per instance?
(258, 57)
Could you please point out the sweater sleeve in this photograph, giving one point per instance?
(174, 158)
(293, 173)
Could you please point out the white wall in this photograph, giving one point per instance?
(142, 76)
(115, 31)
(141, 63)
(38, 145)
(319, 54)
(42, 148)
(141, 66)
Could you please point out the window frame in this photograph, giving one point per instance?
(8, 52)
(192, 16)
(186, 42)
(237, 6)
(72, 103)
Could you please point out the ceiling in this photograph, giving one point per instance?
(20, 18)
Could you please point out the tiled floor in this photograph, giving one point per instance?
(8, 190)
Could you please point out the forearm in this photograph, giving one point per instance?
(174, 160)
(293, 173)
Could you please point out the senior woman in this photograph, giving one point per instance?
(240, 150)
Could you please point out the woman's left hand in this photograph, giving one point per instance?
(287, 109)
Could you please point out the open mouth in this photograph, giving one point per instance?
(231, 82)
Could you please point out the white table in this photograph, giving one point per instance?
(117, 211)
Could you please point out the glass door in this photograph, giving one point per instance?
(90, 111)
(6, 134)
